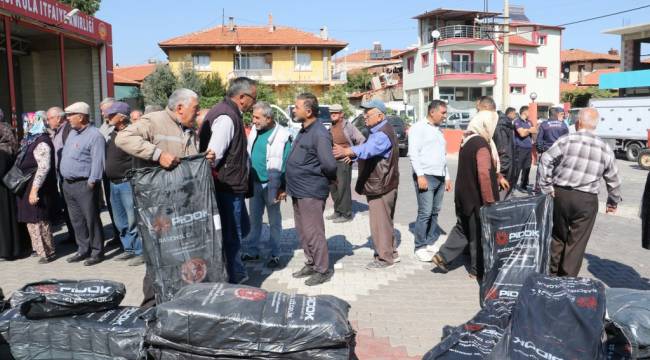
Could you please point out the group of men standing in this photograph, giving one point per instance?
(267, 165)
(495, 154)
(83, 157)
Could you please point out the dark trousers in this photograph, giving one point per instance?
(66, 214)
(308, 216)
(341, 191)
(235, 226)
(381, 210)
(83, 206)
(574, 215)
(106, 184)
(466, 232)
(522, 164)
(426, 229)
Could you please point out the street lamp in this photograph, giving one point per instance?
(435, 35)
(533, 96)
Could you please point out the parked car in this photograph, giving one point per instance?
(285, 118)
(323, 114)
(399, 125)
(457, 120)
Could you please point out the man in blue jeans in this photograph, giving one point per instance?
(428, 155)
(268, 146)
(117, 164)
(222, 132)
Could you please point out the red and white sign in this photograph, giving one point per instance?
(53, 13)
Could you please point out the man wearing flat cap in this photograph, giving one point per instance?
(118, 163)
(82, 165)
(345, 135)
(378, 179)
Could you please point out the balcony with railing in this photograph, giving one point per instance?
(465, 32)
(465, 70)
(257, 74)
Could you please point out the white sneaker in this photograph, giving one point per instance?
(435, 247)
(423, 255)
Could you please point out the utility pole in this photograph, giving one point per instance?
(505, 80)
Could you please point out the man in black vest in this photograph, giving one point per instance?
(223, 132)
(378, 179)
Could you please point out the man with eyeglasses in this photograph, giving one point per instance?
(378, 160)
(222, 131)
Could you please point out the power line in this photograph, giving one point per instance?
(606, 15)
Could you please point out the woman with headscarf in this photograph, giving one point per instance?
(477, 184)
(35, 205)
(14, 242)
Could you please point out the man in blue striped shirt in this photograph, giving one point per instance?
(428, 154)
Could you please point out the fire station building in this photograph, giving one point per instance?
(52, 55)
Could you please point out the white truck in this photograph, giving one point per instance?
(624, 123)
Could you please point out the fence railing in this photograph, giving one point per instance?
(465, 67)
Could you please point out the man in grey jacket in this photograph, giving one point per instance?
(345, 135)
(310, 169)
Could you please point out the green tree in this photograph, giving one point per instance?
(90, 7)
(188, 77)
(580, 97)
(288, 96)
(157, 87)
(265, 92)
(337, 95)
(359, 82)
(212, 91)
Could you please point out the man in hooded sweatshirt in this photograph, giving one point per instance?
(503, 140)
(477, 184)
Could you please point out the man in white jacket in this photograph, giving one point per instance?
(269, 145)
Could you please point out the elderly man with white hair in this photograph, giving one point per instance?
(570, 171)
(269, 145)
(60, 129)
(163, 137)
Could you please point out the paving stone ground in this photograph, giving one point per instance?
(399, 312)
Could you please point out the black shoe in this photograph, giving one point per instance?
(319, 278)
(247, 257)
(124, 256)
(93, 261)
(333, 216)
(76, 258)
(48, 259)
(273, 262)
(304, 272)
(342, 219)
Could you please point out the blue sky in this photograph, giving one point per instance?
(139, 25)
